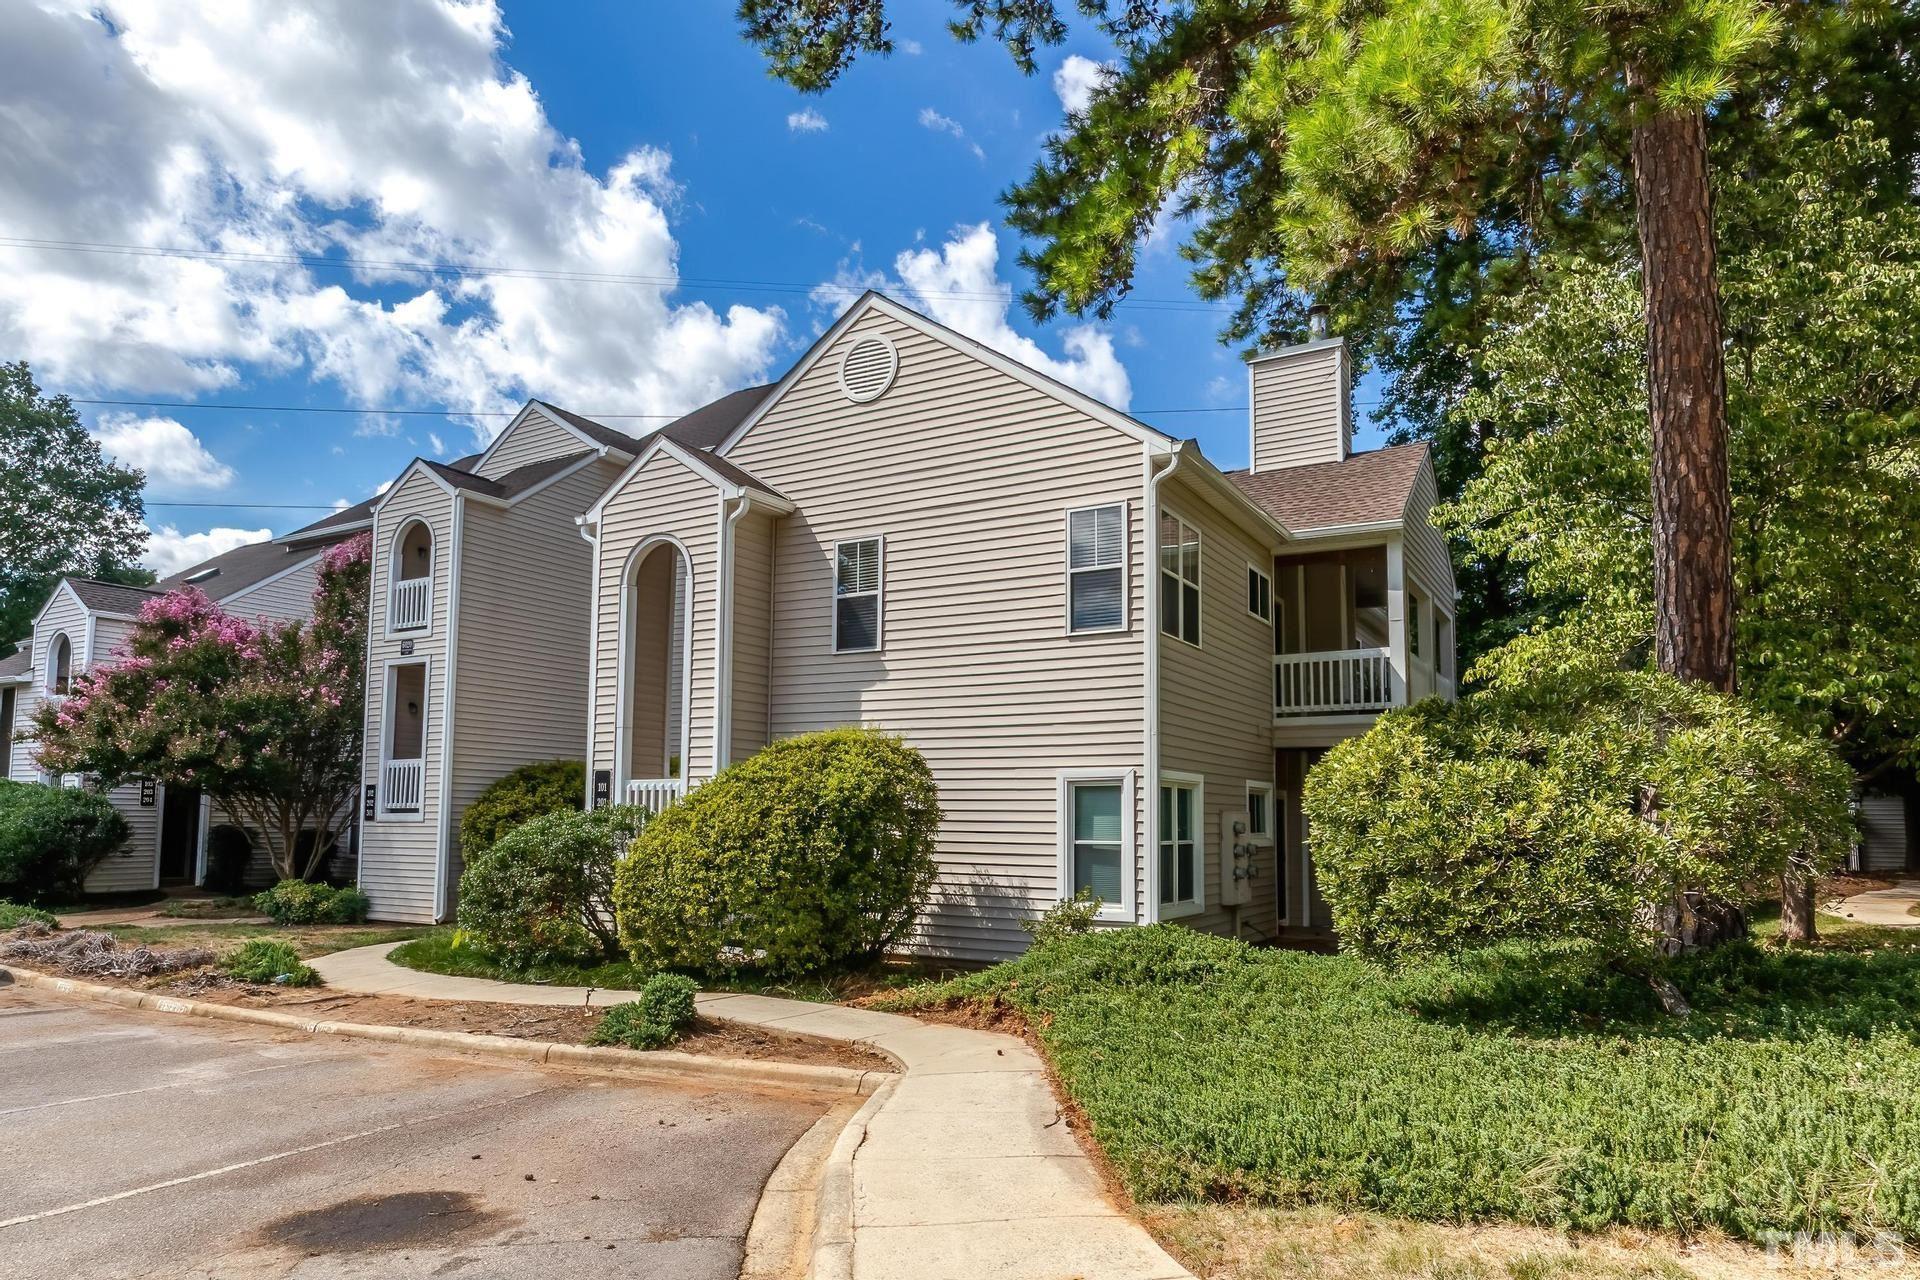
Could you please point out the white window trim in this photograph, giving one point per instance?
(388, 678)
(879, 594)
(1266, 789)
(433, 568)
(1125, 566)
(1198, 784)
(1268, 579)
(1121, 912)
(1200, 575)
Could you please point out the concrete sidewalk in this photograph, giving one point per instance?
(1887, 907)
(964, 1168)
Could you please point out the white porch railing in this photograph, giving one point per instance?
(410, 604)
(655, 794)
(1335, 681)
(402, 783)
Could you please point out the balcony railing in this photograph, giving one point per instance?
(410, 604)
(402, 783)
(655, 794)
(1333, 682)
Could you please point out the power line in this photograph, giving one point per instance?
(251, 506)
(350, 263)
(509, 413)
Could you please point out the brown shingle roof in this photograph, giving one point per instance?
(1365, 489)
(17, 665)
(111, 597)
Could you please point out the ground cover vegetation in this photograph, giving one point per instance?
(1530, 1082)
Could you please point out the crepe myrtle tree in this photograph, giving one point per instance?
(263, 717)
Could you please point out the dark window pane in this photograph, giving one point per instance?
(1190, 614)
(1098, 599)
(1170, 604)
(1187, 861)
(859, 623)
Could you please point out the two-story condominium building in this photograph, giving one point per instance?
(1118, 660)
(78, 629)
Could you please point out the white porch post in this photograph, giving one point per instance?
(1397, 618)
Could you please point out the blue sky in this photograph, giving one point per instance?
(443, 132)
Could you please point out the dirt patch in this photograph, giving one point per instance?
(368, 1224)
(1838, 888)
(557, 1024)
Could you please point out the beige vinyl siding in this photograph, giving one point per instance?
(752, 631)
(133, 865)
(1425, 547)
(398, 858)
(1216, 717)
(1299, 407)
(284, 599)
(967, 474)
(663, 497)
(62, 613)
(535, 438)
(526, 596)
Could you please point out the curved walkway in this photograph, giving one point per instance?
(1886, 907)
(963, 1168)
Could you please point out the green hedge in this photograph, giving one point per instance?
(532, 790)
(542, 894)
(51, 839)
(308, 902)
(814, 853)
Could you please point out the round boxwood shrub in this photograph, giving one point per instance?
(543, 893)
(1599, 807)
(553, 786)
(51, 839)
(815, 852)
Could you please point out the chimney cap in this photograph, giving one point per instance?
(1317, 315)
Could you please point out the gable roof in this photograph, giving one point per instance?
(334, 527)
(709, 426)
(597, 432)
(732, 480)
(110, 597)
(235, 571)
(17, 666)
(1367, 488)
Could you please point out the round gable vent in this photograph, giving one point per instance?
(867, 370)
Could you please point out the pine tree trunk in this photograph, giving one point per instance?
(1686, 399)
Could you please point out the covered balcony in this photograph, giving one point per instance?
(1353, 636)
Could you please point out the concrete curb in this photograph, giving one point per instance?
(780, 1238)
(831, 1257)
(659, 1064)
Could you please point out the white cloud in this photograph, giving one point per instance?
(172, 456)
(931, 119)
(260, 129)
(439, 445)
(806, 121)
(959, 285)
(911, 47)
(169, 550)
(1077, 79)
(341, 504)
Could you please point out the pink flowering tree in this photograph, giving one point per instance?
(264, 717)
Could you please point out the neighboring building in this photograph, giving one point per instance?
(1111, 653)
(477, 633)
(79, 627)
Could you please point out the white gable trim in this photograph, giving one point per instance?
(64, 585)
(870, 302)
(692, 462)
(417, 465)
(527, 409)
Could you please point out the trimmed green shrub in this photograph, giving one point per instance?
(266, 960)
(543, 893)
(1064, 919)
(1599, 807)
(51, 839)
(229, 850)
(305, 902)
(659, 1017)
(13, 915)
(532, 790)
(816, 852)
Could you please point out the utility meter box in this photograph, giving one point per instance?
(1240, 857)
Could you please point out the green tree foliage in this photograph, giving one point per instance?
(264, 718)
(815, 852)
(64, 509)
(526, 793)
(542, 894)
(1602, 807)
(51, 839)
(1822, 293)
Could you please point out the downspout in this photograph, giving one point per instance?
(590, 533)
(1151, 908)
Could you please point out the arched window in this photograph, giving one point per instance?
(60, 665)
(410, 579)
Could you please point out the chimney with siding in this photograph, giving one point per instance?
(1301, 412)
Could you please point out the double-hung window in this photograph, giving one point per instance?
(1097, 569)
(857, 568)
(1182, 851)
(1259, 594)
(1179, 579)
(1096, 839)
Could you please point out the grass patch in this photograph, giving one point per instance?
(306, 940)
(13, 915)
(269, 960)
(1529, 1085)
(207, 908)
(435, 952)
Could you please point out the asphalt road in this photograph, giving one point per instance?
(136, 1144)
